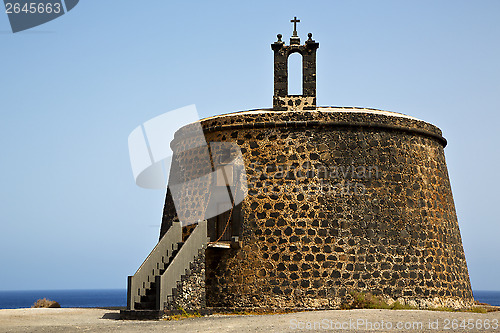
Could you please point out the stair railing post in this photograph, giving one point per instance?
(130, 301)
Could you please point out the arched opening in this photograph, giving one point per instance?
(295, 74)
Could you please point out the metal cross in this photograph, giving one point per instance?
(294, 21)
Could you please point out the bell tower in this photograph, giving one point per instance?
(281, 99)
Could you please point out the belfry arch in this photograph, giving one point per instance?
(295, 74)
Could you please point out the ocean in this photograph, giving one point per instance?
(118, 298)
(66, 298)
(489, 297)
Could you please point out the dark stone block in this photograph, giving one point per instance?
(335, 274)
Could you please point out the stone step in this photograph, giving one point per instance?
(145, 306)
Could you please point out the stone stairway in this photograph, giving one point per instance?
(155, 282)
(147, 299)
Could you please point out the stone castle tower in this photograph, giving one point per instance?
(338, 199)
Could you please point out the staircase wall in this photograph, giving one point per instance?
(190, 292)
(182, 265)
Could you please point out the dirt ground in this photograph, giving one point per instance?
(101, 320)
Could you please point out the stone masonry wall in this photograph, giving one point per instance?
(339, 200)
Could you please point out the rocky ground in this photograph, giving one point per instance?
(102, 321)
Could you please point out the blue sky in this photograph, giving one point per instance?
(73, 89)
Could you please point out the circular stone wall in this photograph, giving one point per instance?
(339, 200)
